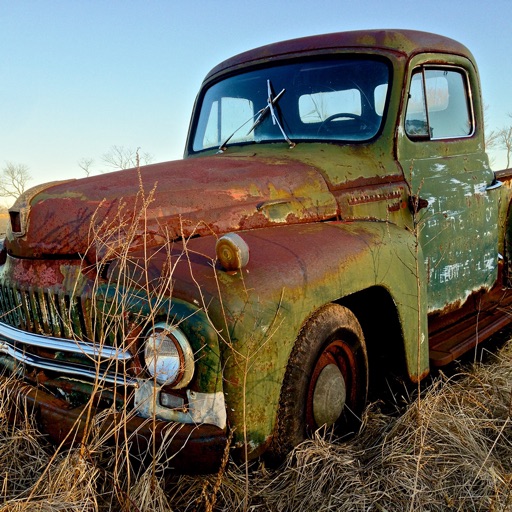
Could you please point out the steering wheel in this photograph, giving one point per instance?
(340, 115)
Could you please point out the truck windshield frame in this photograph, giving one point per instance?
(342, 99)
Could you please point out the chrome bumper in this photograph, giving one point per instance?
(13, 342)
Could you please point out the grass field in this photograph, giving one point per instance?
(4, 217)
(449, 449)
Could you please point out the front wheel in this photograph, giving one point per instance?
(326, 380)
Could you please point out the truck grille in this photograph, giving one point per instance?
(96, 362)
(51, 332)
(54, 314)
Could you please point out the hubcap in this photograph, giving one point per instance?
(329, 396)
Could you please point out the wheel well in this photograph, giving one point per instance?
(378, 317)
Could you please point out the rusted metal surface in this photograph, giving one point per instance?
(454, 334)
(404, 42)
(63, 307)
(185, 447)
(292, 280)
(452, 176)
(191, 198)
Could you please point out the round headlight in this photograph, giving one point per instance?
(168, 355)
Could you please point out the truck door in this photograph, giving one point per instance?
(440, 146)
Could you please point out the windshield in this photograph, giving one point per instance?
(326, 100)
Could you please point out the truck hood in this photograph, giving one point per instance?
(166, 201)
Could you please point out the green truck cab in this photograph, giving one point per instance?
(334, 221)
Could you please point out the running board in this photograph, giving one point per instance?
(450, 342)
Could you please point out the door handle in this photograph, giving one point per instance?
(494, 185)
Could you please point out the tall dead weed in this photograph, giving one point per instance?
(450, 451)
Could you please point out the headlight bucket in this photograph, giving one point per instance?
(169, 356)
(232, 252)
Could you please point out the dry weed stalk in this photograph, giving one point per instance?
(462, 461)
(450, 450)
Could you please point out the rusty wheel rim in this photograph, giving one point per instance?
(333, 386)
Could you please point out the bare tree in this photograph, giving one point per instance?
(490, 137)
(86, 164)
(504, 141)
(14, 179)
(120, 157)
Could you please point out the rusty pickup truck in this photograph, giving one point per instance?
(334, 221)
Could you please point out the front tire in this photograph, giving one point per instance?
(326, 380)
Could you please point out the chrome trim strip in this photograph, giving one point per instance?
(12, 336)
(67, 368)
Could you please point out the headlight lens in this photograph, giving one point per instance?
(168, 355)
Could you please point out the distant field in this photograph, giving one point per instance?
(4, 217)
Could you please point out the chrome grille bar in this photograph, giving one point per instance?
(13, 336)
(45, 312)
(68, 368)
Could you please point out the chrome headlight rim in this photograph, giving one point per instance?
(174, 371)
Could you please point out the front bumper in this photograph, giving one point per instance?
(181, 447)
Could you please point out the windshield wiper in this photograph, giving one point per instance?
(269, 107)
(275, 119)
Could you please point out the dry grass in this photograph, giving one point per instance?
(450, 450)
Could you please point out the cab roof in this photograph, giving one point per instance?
(404, 42)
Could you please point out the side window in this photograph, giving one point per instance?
(439, 105)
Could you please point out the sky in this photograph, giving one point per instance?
(78, 77)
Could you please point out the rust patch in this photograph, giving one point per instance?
(188, 198)
(370, 198)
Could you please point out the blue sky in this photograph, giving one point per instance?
(78, 77)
